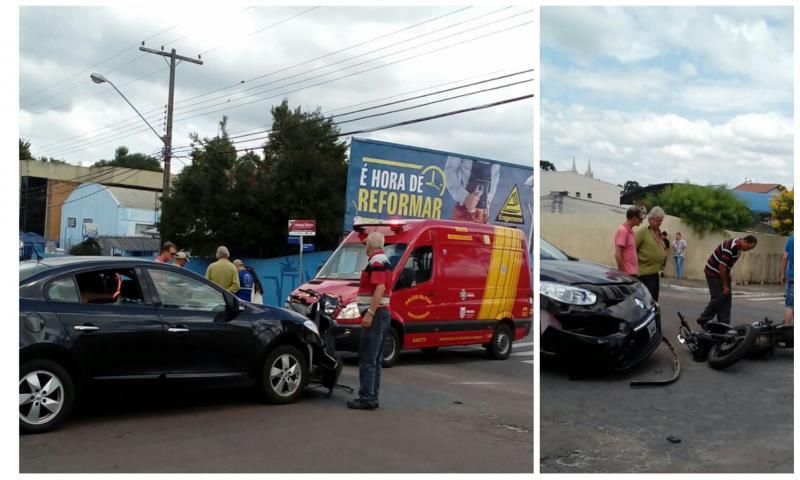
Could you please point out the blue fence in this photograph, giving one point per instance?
(278, 275)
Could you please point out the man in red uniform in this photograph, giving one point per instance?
(374, 292)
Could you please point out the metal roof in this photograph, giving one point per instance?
(130, 244)
(756, 202)
(757, 187)
(133, 198)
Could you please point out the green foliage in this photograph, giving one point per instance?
(244, 202)
(52, 160)
(122, 158)
(705, 209)
(630, 186)
(25, 150)
(87, 247)
(546, 166)
(782, 206)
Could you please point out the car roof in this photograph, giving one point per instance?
(80, 259)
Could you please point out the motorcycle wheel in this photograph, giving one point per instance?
(725, 354)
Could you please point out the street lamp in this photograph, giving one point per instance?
(98, 78)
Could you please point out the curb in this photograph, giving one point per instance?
(739, 293)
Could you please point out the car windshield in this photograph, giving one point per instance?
(350, 258)
(30, 268)
(549, 252)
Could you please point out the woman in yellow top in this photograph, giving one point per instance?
(650, 251)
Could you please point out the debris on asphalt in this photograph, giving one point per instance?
(674, 439)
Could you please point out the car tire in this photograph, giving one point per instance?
(391, 348)
(34, 376)
(284, 375)
(502, 341)
(724, 355)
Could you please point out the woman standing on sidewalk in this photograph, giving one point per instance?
(679, 245)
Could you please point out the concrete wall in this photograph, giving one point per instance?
(572, 183)
(278, 275)
(106, 175)
(591, 237)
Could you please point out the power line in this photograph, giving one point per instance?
(229, 107)
(412, 121)
(266, 131)
(96, 64)
(353, 58)
(261, 99)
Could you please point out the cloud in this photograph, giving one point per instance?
(57, 42)
(657, 148)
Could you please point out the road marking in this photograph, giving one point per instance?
(768, 299)
(528, 361)
(474, 383)
(523, 344)
(522, 354)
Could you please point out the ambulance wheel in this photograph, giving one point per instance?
(391, 348)
(500, 346)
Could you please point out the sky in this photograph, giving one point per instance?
(669, 94)
(254, 57)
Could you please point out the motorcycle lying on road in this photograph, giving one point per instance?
(719, 343)
(771, 335)
(321, 309)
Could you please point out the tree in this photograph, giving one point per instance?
(122, 158)
(782, 206)
(704, 209)
(630, 186)
(52, 160)
(25, 150)
(87, 247)
(244, 202)
(546, 166)
(305, 171)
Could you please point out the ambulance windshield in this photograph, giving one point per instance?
(349, 259)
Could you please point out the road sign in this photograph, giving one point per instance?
(302, 228)
(307, 247)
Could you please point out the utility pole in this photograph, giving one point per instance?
(168, 136)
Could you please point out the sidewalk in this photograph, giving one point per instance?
(700, 286)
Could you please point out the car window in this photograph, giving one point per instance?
(63, 290)
(176, 290)
(118, 286)
(418, 268)
(549, 252)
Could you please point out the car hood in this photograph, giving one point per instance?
(575, 272)
(346, 289)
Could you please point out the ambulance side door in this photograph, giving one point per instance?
(414, 296)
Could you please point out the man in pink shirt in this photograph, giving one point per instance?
(625, 242)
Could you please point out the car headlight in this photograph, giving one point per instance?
(349, 312)
(567, 294)
(311, 326)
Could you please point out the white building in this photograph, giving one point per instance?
(577, 185)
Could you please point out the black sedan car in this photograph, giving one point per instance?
(593, 317)
(88, 322)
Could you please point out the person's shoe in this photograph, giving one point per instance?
(359, 404)
(702, 322)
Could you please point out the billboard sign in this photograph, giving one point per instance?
(302, 228)
(90, 230)
(393, 181)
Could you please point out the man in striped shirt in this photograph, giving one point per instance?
(718, 276)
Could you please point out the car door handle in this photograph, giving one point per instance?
(85, 328)
(178, 330)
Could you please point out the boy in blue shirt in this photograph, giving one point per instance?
(245, 291)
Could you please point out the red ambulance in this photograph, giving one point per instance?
(454, 283)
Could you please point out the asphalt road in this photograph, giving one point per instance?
(456, 411)
(734, 420)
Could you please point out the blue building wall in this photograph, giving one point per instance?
(278, 275)
(92, 201)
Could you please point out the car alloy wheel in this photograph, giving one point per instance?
(285, 375)
(41, 397)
